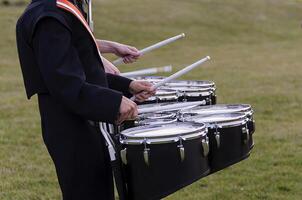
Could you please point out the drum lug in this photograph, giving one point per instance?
(146, 156)
(217, 138)
(146, 153)
(205, 146)
(181, 150)
(246, 133)
(124, 156)
(209, 101)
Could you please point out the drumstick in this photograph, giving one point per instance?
(153, 47)
(170, 107)
(154, 70)
(181, 72)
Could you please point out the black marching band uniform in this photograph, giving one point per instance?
(61, 63)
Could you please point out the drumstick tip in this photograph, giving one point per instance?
(183, 35)
(208, 57)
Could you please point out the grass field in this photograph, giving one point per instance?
(256, 47)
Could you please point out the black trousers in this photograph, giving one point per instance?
(78, 151)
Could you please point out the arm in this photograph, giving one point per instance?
(129, 53)
(64, 76)
(106, 46)
(109, 67)
(119, 83)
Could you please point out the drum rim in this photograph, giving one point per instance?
(152, 77)
(237, 121)
(169, 120)
(163, 104)
(150, 115)
(248, 111)
(167, 90)
(198, 89)
(200, 131)
(162, 98)
(207, 83)
(169, 94)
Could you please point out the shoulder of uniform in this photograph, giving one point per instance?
(36, 12)
(55, 12)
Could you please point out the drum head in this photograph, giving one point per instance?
(165, 92)
(190, 89)
(163, 133)
(163, 95)
(158, 115)
(221, 120)
(150, 78)
(180, 83)
(162, 121)
(164, 104)
(218, 109)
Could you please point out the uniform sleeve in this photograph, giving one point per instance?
(64, 76)
(119, 83)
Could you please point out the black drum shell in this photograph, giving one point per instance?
(166, 173)
(210, 100)
(127, 124)
(252, 128)
(213, 99)
(156, 101)
(232, 148)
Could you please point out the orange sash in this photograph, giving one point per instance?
(66, 5)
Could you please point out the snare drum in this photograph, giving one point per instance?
(229, 137)
(161, 159)
(162, 95)
(225, 108)
(193, 93)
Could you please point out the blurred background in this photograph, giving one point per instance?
(256, 50)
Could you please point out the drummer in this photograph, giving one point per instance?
(61, 64)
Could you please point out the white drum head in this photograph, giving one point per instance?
(165, 92)
(163, 105)
(157, 115)
(153, 79)
(162, 121)
(182, 83)
(218, 109)
(189, 89)
(220, 120)
(163, 133)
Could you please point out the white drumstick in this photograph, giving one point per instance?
(170, 107)
(142, 72)
(181, 72)
(153, 47)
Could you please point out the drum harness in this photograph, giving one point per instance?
(115, 162)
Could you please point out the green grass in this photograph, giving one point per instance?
(256, 50)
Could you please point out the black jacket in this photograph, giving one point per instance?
(58, 56)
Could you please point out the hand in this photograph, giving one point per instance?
(128, 110)
(128, 53)
(142, 90)
(109, 67)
